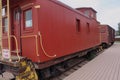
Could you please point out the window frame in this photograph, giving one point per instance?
(5, 27)
(5, 13)
(78, 25)
(87, 13)
(24, 28)
(88, 27)
(3, 21)
(24, 12)
(24, 19)
(102, 31)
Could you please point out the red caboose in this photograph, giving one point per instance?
(107, 35)
(46, 31)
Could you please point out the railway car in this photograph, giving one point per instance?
(107, 35)
(39, 34)
(117, 38)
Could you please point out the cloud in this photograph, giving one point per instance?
(109, 16)
(81, 3)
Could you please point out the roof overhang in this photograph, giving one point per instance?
(4, 2)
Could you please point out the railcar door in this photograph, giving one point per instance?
(25, 29)
(16, 31)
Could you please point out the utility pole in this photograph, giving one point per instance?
(119, 28)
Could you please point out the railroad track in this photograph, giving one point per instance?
(71, 70)
(74, 67)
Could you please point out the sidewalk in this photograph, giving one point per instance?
(104, 67)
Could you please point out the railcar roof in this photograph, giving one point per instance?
(68, 7)
(55, 1)
(106, 25)
(87, 8)
(13, 1)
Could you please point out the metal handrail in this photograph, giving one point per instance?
(41, 43)
(17, 51)
(16, 43)
(1, 25)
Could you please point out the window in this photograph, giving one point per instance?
(87, 13)
(92, 15)
(4, 11)
(28, 18)
(17, 16)
(4, 19)
(102, 30)
(88, 27)
(78, 25)
(5, 25)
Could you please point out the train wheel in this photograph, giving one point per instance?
(29, 73)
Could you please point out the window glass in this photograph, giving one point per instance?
(78, 25)
(5, 23)
(88, 27)
(17, 16)
(92, 15)
(102, 30)
(28, 18)
(4, 11)
(87, 13)
(4, 19)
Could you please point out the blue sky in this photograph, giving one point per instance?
(108, 10)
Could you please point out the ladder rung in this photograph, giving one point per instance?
(15, 51)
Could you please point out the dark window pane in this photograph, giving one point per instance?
(78, 25)
(88, 27)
